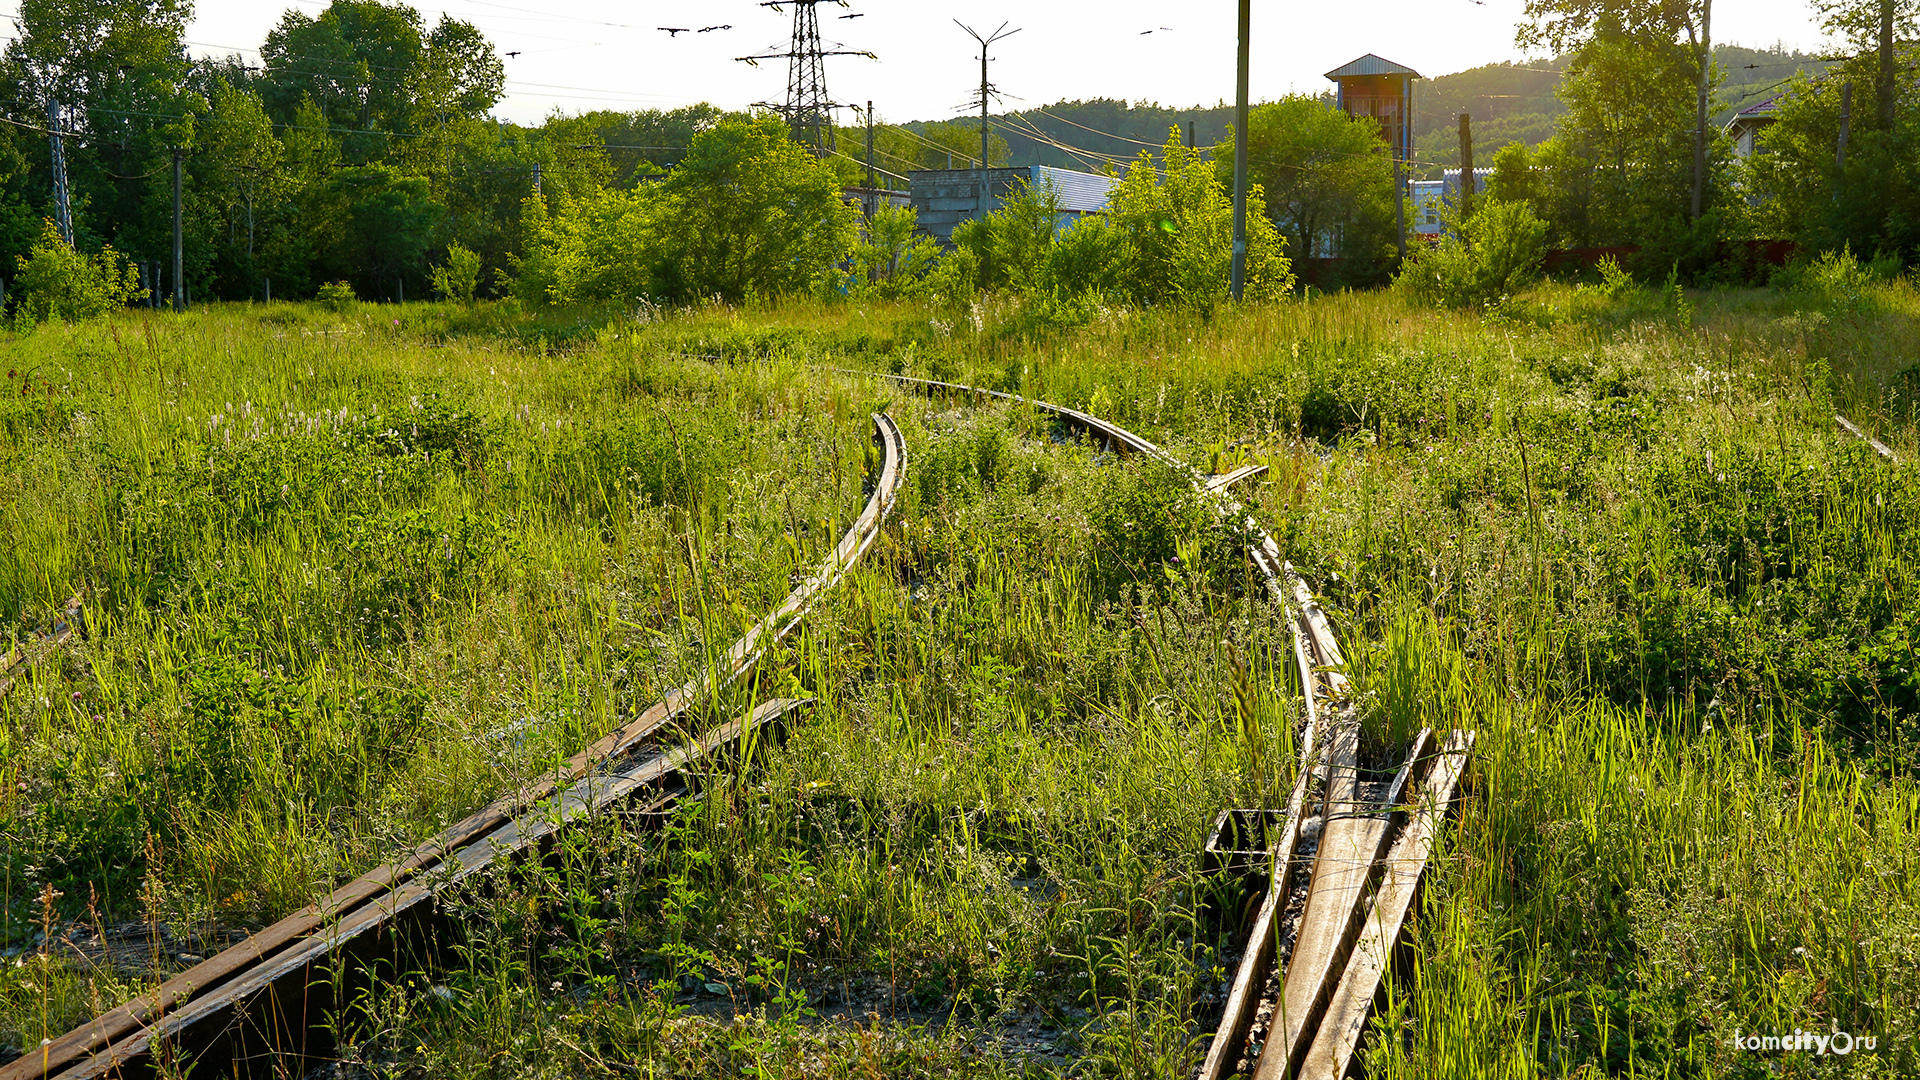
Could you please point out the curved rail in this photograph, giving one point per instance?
(39, 647)
(257, 1001)
(1879, 447)
(1342, 939)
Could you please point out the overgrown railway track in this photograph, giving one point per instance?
(265, 1004)
(1313, 965)
(1337, 886)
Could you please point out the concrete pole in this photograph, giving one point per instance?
(1237, 281)
(179, 290)
(984, 141)
(1700, 126)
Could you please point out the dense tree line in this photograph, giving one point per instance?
(361, 148)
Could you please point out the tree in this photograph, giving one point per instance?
(375, 225)
(354, 60)
(1180, 230)
(754, 212)
(1327, 178)
(1873, 204)
(749, 212)
(459, 276)
(119, 69)
(1634, 76)
(1874, 26)
(240, 161)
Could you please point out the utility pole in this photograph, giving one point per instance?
(179, 290)
(1190, 142)
(62, 209)
(1466, 166)
(1885, 87)
(872, 200)
(1700, 127)
(986, 94)
(1846, 121)
(1237, 280)
(536, 178)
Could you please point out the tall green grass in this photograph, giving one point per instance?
(1622, 540)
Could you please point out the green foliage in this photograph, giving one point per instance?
(1839, 284)
(1492, 254)
(891, 262)
(1163, 240)
(1180, 231)
(748, 212)
(1873, 205)
(460, 276)
(753, 213)
(1327, 181)
(338, 598)
(336, 296)
(1615, 282)
(1009, 248)
(57, 282)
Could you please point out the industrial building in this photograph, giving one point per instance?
(1430, 197)
(943, 198)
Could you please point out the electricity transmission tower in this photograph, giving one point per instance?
(808, 109)
(62, 209)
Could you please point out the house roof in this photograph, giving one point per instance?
(1765, 108)
(1372, 65)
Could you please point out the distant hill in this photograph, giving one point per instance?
(1508, 103)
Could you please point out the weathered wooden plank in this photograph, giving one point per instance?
(1250, 976)
(1336, 1044)
(1351, 844)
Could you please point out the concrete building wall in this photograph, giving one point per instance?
(944, 198)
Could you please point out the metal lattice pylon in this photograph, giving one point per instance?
(62, 209)
(808, 109)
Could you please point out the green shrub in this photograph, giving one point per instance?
(891, 262)
(460, 276)
(57, 282)
(335, 296)
(1837, 282)
(1615, 282)
(1491, 254)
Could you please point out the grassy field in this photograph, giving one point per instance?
(348, 576)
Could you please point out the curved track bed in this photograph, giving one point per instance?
(264, 1004)
(1319, 946)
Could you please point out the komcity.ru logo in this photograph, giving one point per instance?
(1806, 1042)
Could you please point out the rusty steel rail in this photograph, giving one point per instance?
(1264, 552)
(264, 999)
(1879, 447)
(1366, 875)
(1227, 480)
(1331, 731)
(30, 653)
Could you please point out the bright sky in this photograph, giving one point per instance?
(592, 54)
